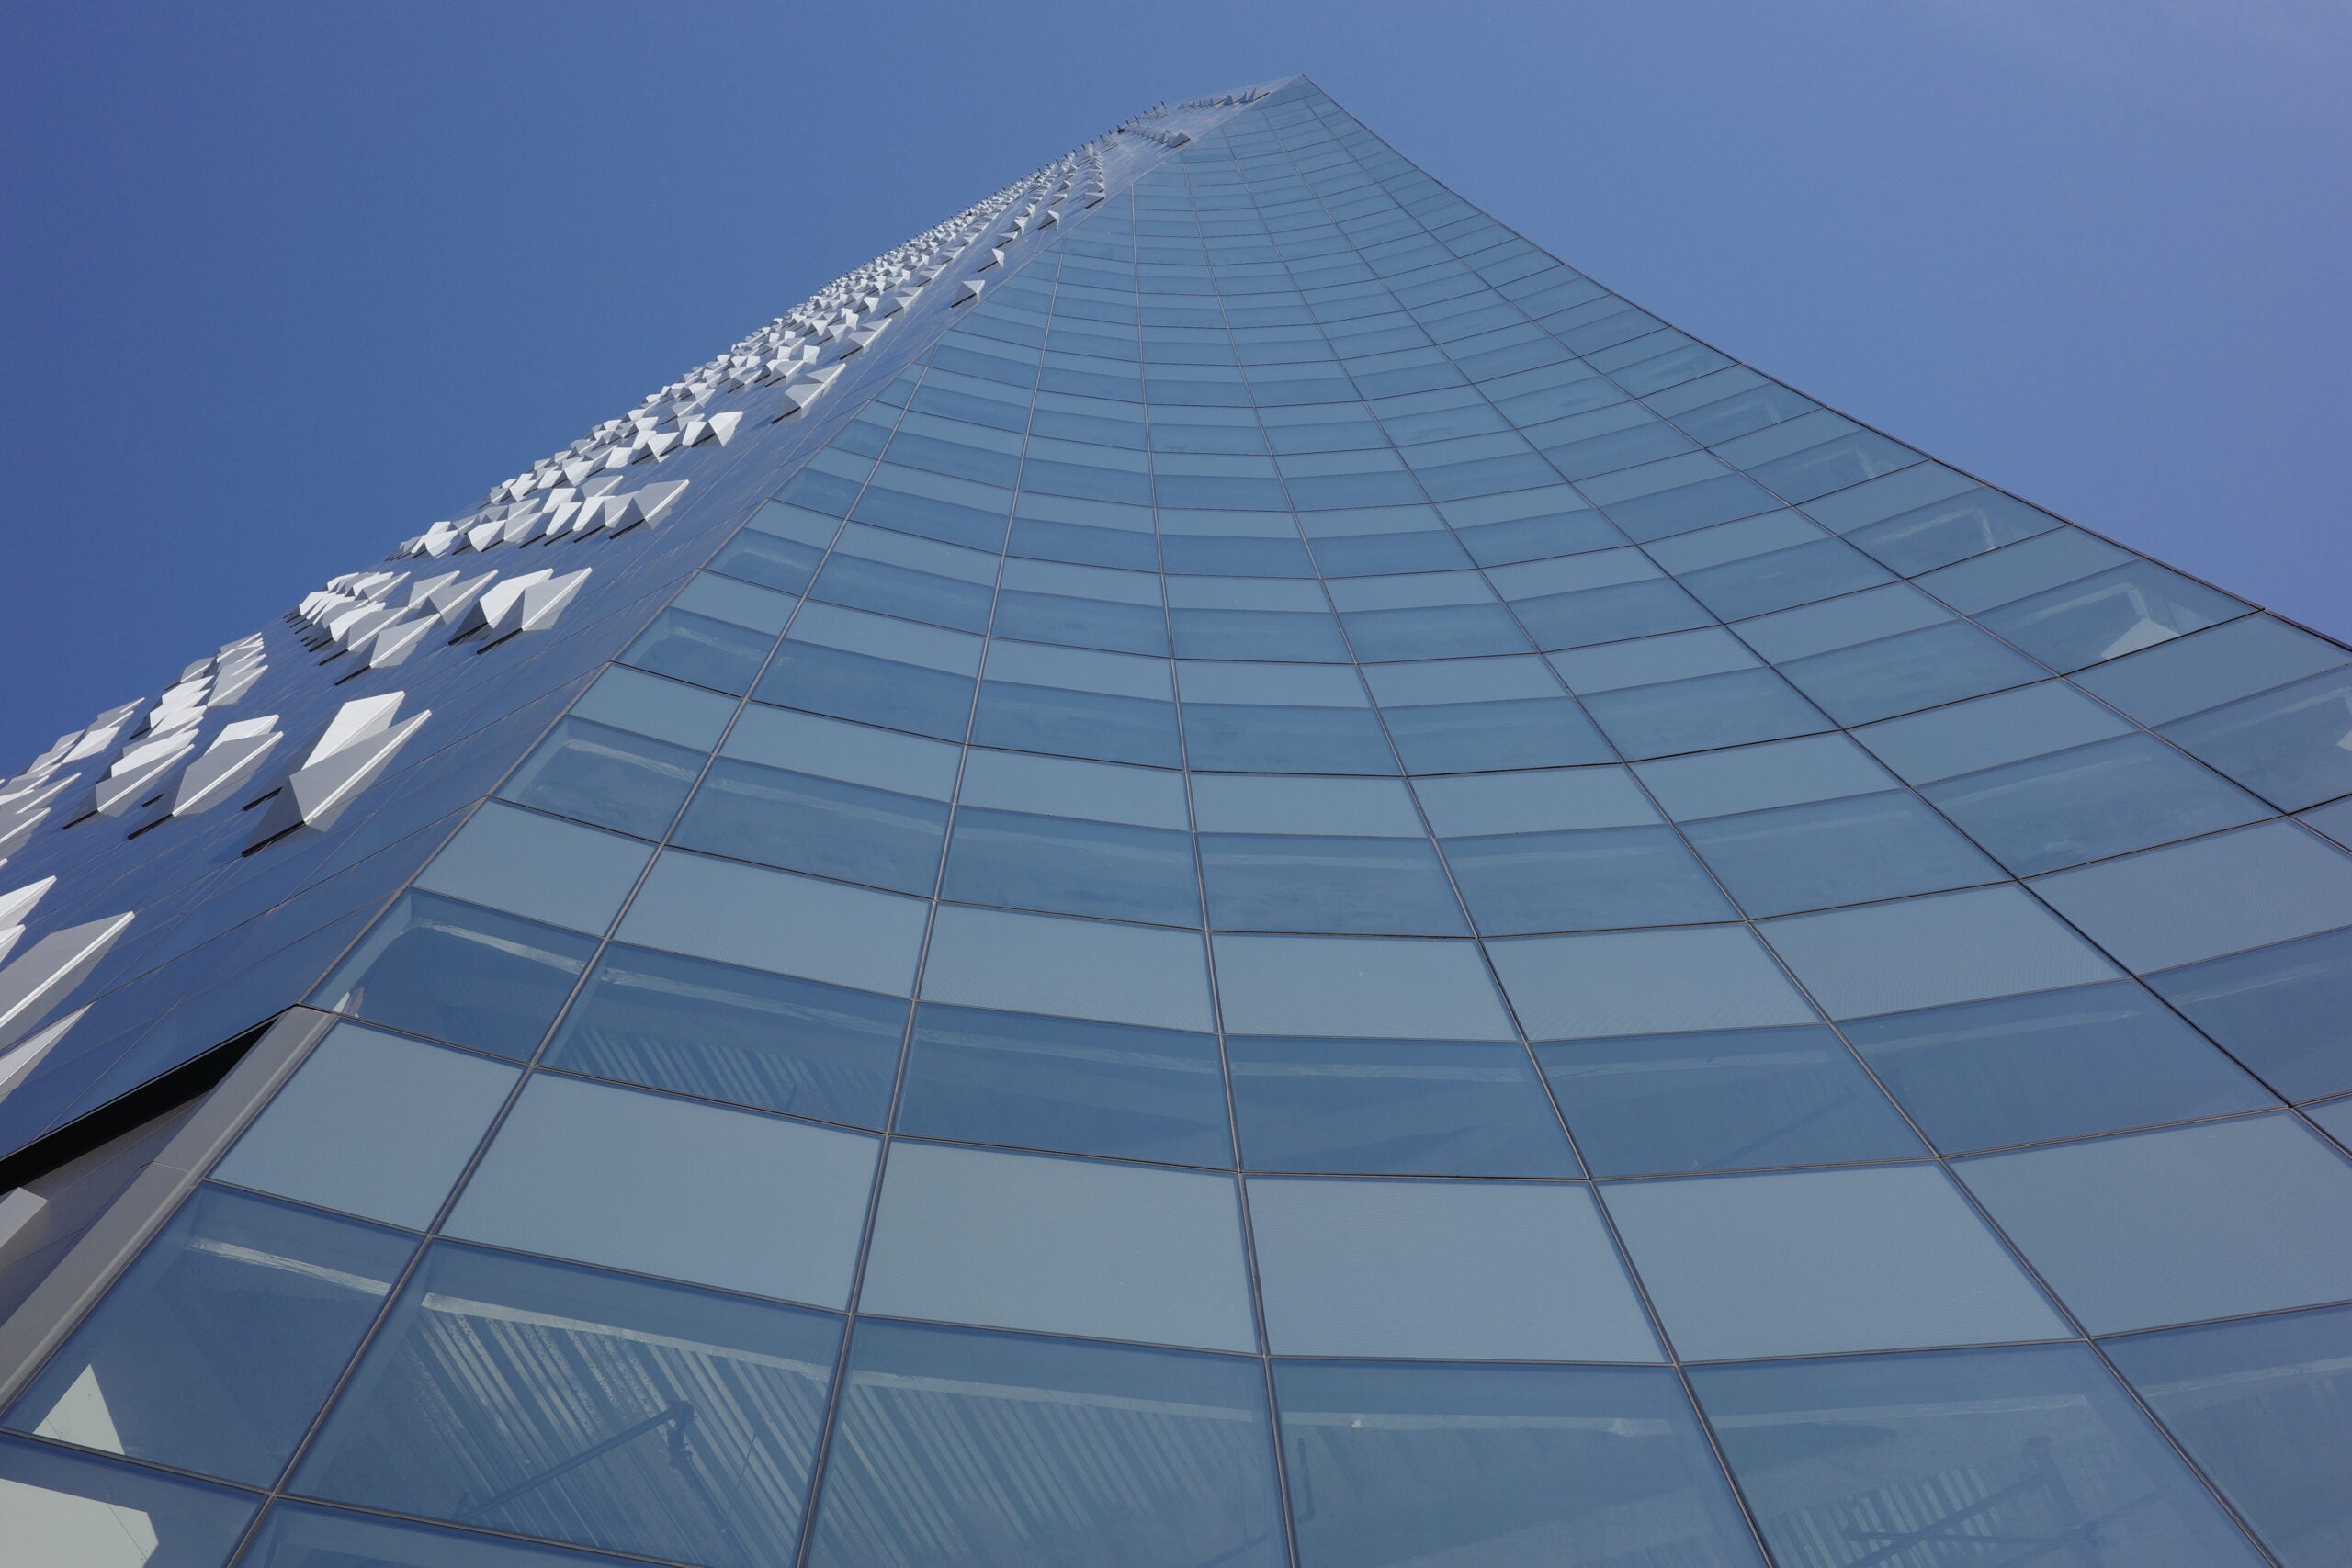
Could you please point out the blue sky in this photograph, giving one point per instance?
(286, 282)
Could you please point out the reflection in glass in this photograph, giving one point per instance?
(458, 972)
(595, 772)
(218, 1346)
(2052, 1065)
(1078, 1086)
(726, 1033)
(2264, 1405)
(549, 1400)
(1394, 1107)
(1002, 1450)
(1726, 1100)
(298, 1536)
(1463, 1464)
(62, 1509)
(1912, 1460)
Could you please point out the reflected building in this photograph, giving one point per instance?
(1214, 870)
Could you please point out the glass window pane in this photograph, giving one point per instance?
(436, 966)
(1077, 1086)
(2091, 802)
(1726, 1100)
(1442, 1270)
(1520, 884)
(595, 773)
(2293, 745)
(2035, 1446)
(1405, 1108)
(1580, 988)
(991, 958)
(1302, 883)
(372, 1124)
(1921, 952)
(294, 1536)
(2279, 1010)
(215, 1349)
(539, 867)
(1828, 852)
(1826, 1261)
(2152, 1228)
(2052, 1065)
(60, 1507)
(2264, 1406)
(1060, 1246)
(660, 710)
(767, 920)
(1467, 1464)
(828, 827)
(1365, 987)
(2224, 894)
(545, 1399)
(1027, 1453)
(1068, 865)
(661, 1186)
(722, 1031)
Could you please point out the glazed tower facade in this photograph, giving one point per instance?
(1214, 869)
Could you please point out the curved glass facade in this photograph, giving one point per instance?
(1289, 890)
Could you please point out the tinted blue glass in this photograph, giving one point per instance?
(1255, 633)
(829, 827)
(1833, 465)
(872, 690)
(1080, 622)
(1777, 579)
(2053, 1064)
(544, 1399)
(893, 590)
(1533, 539)
(1606, 615)
(1073, 867)
(611, 777)
(1441, 631)
(1079, 1085)
(294, 1536)
(1726, 1100)
(1240, 737)
(1274, 882)
(1836, 851)
(1536, 732)
(1909, 671)
(1726, 709)
(1394, 1107)
(2091, 802)
(60, 1507)
(1052, 539)
(1076, 724)
(215, 1350)
(1045, 1453)
(934, 516)
(2035, 1446)
(724, 1032)
(2115, 612)
(701, 648)
(1521, 882)
(1504, 1465)
(457, 972)
(2264, 1405)
(1942, 531)
(762, 558)
(2278, 1010)
(2288, 745)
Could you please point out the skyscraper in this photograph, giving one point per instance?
(1214, 870)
